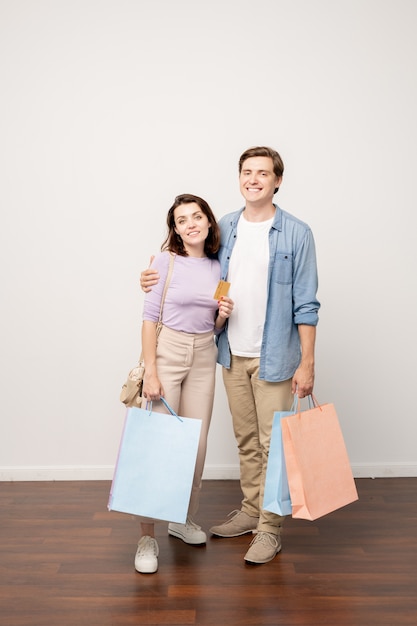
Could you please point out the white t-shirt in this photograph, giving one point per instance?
(248, 275)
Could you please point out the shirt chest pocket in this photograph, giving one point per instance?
(283, 266)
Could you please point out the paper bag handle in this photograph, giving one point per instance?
(170, 409)
(312, 403)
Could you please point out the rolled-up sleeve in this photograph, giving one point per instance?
(305, 283)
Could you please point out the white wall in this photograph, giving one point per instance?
(108, 109)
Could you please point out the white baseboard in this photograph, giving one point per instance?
(221, 472)
(211, 472)
(103, 472)
(55, 472)
(382, 470)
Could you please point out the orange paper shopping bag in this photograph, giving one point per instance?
(319, 474)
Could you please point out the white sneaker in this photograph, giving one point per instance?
(146, 559)
(188, 532)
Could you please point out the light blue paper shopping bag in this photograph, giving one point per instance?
(277, 494)
(155, 466)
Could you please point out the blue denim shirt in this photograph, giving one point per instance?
(292, 287)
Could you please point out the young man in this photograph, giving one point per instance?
(267, 346)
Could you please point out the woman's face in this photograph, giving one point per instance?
(192, 225)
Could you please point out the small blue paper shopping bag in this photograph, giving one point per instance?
(155, 466)
(277, 494)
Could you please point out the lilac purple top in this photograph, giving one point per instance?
(189, 304)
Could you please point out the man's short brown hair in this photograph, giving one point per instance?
(264, 151)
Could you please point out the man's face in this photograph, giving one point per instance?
(257, 180)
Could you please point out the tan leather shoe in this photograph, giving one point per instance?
(238, 523)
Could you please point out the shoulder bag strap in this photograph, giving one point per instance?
(164, 293)
(161, 308)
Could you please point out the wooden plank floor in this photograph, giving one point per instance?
(66, 561)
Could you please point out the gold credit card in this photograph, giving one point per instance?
(222, 289)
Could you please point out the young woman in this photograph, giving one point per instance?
(180, 365)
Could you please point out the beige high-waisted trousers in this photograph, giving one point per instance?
(186, 365)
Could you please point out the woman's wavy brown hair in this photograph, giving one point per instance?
(174, 243)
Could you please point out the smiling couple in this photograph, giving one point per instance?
(264, 329)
